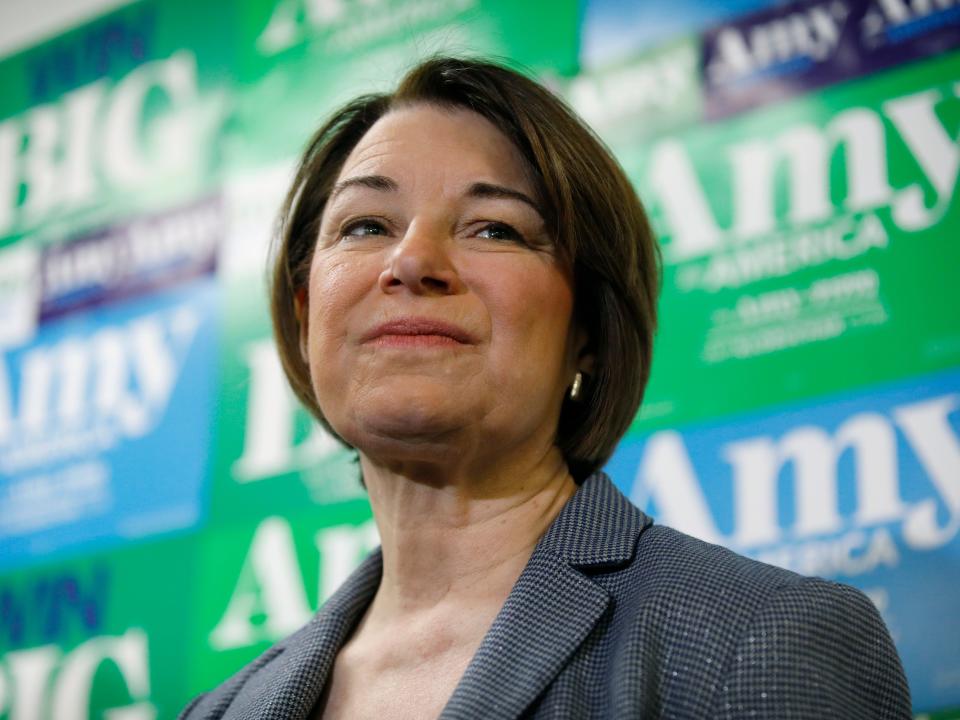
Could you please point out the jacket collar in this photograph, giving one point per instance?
(597, 528)
(549, 612)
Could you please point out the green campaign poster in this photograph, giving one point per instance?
(301, 59)
(102, 636)
(116, 117)
(808, 246)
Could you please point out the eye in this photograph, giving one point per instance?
(363, 228)
(500, 231)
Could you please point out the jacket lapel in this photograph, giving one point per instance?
(552, 608)
(289, 686)
(549, 612)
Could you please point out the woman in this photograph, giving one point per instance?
(465, 293)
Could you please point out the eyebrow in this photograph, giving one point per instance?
(499, 192)
(383, 183)
(374, 182)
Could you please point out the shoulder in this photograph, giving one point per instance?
(602, 533)
(686, 596)
(734, 636)
(666, 567)
(819, 646)
(669, 566)
(677, 566)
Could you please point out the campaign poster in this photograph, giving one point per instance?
(119, 116)
(105, 635)
(105, 423)
(808, 246)
(299, 61)
(861, 487)
(796, 47)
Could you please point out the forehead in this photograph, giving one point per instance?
(454, 143)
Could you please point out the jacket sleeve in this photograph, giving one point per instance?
(816, 650)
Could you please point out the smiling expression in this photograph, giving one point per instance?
(437, 309)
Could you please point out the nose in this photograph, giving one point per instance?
(421, 263)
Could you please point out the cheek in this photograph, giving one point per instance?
(532, 314)
(336, 285)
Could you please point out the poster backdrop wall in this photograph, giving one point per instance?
(167, 510)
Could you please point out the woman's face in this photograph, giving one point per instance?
(438, 313)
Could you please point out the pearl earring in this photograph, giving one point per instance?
(577, 385)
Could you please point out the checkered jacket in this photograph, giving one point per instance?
(614, 617)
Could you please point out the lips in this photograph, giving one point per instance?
(418, 327)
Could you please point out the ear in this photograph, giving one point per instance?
(300, 307)
(584, 358)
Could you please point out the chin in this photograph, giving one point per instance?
(413, 424)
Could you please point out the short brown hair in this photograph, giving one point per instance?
(591, 211)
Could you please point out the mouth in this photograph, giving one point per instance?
(417, 332)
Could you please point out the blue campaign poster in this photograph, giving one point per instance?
(105, 425)
(862, 488)
(765, 56)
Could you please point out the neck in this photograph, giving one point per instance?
(462, 541)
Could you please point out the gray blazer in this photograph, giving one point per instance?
(614, 617)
